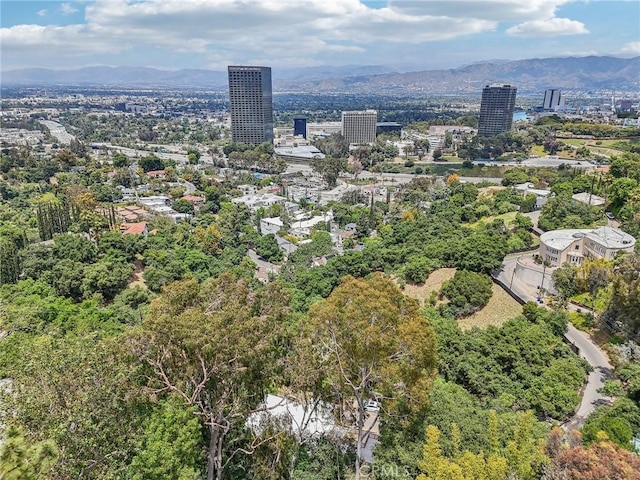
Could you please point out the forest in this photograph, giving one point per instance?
(150, 356)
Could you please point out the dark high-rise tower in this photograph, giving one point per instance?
(300, 126)
(251, 104)
(496, 110)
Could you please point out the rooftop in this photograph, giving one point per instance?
(608, 237)
(589, 199)
(561, 239)
(302, 151)
(612, 238)
(133, 228)
(193, 198)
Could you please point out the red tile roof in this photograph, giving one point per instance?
(193, 198)
(133, 228)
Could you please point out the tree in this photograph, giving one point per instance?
(620, 190)
(467, 292)
(120, 160)
(107, 277)
(434, 465)
(329, 168)
(523, 222)
(18, 461)
(150, 163)
(74, 247)
(479, 252)
(598, 461)
(267, 247)
(437, 154)
(564, 280)
(564, 212)
(183, 206)
(373, 343)
(334, 145)
(417, 269)
(211, 345)
(618, 421)
(514, 176)
(172, 445)
(79, 392)
(623, 311)
(9, 261)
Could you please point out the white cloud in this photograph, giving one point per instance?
(493, 10)
(38, 39)
(631, 48)
(42, 13)
(547, 27)
(283, 30)
(67, 8)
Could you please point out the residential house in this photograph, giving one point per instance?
(138, 228)
(271, 225)
(541, 195)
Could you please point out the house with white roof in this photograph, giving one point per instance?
(541, 195)
(574, 245)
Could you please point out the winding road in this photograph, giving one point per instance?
(602, 369)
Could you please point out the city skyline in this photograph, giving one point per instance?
(404, 35)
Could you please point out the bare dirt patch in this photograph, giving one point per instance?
(136, 276)
(501, 307)
(422, 291)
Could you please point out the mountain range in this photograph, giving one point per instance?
(532, 75)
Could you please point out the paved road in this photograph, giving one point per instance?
(58, 131)
(598, 360)
(387, 177)
(270, 267)
(602, 370)
(180, 158)
(188, 186)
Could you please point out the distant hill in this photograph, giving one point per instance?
(533, 75)
(530, 76)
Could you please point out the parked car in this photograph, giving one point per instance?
(372, 406)
(609, 215)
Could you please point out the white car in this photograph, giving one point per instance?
(372, 406)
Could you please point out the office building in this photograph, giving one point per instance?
(496, 110)
(389, 127)
(251, 104)
(552, 100)
(300, 126)
(359, 126)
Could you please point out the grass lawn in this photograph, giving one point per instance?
(605, 147)
(501, 307)
(538, 150)
(508, 219)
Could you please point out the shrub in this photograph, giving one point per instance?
(467, 292)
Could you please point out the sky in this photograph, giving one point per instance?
(400, 34)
